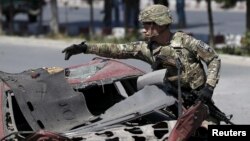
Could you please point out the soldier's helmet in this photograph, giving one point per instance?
(157, 13)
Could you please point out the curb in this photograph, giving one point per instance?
(233, 59)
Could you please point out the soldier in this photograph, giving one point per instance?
(161, 49)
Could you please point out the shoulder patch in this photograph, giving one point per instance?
(204, 46)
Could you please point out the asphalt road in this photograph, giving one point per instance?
(231, 94)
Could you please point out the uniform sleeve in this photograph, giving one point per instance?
(136, 50)
(210, 58)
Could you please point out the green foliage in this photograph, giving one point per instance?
(96, 38)
(243, 50)
(246, 41)
(130, 37)
(233, 51)
(227, 3)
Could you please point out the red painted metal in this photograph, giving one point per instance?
(1, 109)
(113, 70)
(43, 135)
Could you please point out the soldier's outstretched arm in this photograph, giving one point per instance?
(74, 49)
(136, 50)
(119, 51)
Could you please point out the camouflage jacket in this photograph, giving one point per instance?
(187, 49)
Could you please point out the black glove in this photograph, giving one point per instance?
(74, 49)
(206, 93)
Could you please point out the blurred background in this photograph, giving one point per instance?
(224, 24)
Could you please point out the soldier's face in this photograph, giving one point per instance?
(151, 30)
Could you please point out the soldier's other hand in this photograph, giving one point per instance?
(74, 49)
(206, 93)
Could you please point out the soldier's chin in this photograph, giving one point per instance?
(149, 38)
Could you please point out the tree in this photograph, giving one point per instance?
(40, 20)
(54, 23)
(211, 24)
(91, 25)
(1, 15)
(10, 17)
(246, 38)
(248, 16)
(180, 9)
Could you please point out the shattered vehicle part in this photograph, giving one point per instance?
(103, 99)
(47, 101)
(133, 107)
(189, 122)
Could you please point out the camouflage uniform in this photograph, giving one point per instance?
(189, 50)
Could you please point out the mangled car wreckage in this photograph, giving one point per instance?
(102, 100)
